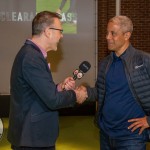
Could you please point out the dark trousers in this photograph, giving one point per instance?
(135, 142)
(32, 148)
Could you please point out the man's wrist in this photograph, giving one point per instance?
(61, 87)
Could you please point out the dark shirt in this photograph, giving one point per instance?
(119, 105)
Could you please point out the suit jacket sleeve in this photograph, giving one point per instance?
(39, 78)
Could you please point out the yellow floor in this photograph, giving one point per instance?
(76, 133)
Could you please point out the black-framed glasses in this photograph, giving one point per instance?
(61, 30)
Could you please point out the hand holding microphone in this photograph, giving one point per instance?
(69, 83)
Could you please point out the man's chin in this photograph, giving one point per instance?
(54, 49)
(110, 49)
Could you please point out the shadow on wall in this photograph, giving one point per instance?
(55, 57)
(4, 105)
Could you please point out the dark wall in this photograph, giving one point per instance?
(139, 12)
(4, 106)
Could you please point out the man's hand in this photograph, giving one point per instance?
(81, 94)
(138, 123)
(67, 84)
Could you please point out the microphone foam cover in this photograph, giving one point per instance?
(85, 66)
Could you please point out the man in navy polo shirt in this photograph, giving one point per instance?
(123, 91)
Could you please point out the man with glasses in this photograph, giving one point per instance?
(35, 99)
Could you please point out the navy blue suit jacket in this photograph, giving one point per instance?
(33, 119)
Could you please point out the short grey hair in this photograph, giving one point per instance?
(124, 22)
(42, 20)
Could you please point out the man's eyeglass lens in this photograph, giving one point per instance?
(61, 30)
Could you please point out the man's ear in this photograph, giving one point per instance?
(47, 32)
(127, 35)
